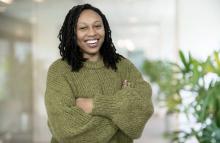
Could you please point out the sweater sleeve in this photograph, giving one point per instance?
(67, 122)
(129, 108)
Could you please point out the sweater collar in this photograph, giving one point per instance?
(94, 64)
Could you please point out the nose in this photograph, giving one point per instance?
(91, 32)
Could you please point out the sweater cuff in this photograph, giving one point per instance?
(108, 105)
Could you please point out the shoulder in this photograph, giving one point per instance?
(59, 66)
(124, 67)
(124, 63)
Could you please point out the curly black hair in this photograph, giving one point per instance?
(69, 49)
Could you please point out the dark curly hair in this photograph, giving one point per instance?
(70, 51)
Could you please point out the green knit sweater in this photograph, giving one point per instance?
(119, 114)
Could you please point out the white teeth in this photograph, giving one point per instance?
(91, 41)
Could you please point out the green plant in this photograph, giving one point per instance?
(190, 79)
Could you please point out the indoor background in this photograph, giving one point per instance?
(153, 30)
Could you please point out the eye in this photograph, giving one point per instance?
(82, 28)
(98, 26)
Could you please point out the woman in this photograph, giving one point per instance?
(93, 94)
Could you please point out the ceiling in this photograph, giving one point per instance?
(129, 11)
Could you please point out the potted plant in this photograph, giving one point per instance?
(190, 88)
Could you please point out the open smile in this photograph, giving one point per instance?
(92, 43)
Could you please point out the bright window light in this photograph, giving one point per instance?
(7, 1)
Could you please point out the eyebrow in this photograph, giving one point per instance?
(86, 23)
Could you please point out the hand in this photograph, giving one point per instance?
(86, 104)
(126, 84)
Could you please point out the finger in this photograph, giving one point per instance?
(125, 82)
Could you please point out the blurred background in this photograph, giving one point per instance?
(150, 33)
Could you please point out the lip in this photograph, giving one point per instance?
(92, 42)
(90, 39)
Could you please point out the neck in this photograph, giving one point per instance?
(93, 58)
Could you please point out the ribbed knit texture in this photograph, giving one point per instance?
(119, 114)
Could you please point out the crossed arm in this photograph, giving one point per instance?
(129, 108)
(86, 104)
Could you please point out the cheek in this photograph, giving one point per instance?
(79, 41)
(102, 33)
(79, 35)
(79, 38)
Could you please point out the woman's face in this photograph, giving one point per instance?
(90, 33)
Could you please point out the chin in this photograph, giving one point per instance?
(93, 50)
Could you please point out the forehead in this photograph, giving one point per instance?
(88, 16)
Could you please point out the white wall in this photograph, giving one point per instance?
(199, 29)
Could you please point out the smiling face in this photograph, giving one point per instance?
(90, 34)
